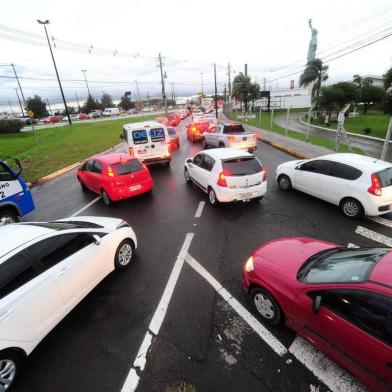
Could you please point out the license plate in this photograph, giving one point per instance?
(244, 138)
(247, 195)
(135, 187)
(142, 151)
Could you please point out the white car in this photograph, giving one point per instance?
(46, 269)
(227, 175)
(197, 115)
(359, 185)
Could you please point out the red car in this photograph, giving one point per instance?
(195, 130)
(52, 119)
(83, 116)
(174, 139)
(115, 177)
(173, 119)
(162, 120)
(339, 299)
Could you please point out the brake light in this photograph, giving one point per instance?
(263, 175)
(375, 188)
(131, 151)
(110, 172)
(193, 129)
(222, 180)
(231, 138)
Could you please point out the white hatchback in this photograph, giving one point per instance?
(46, 269)
(227, 175)
(359, 185)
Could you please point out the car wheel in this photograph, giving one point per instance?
(265, 306)
(258, 198)
(84, 188)
(212, 197)
(204, 144)
(221, 145)
(8, 216)
(10, 365)
(187, 176)
(106, 198)
(124, 254)
(284, 182)
(351, 208)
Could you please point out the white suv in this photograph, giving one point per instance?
(46, 269)
(356, 183)
(227, 175)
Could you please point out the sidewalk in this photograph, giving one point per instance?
(297, 148)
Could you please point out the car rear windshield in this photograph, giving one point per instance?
(241, 166)
(127, 167)
(233, 128)
(385, 177)
(341, 265)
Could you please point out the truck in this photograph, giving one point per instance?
(110, 112)
(16, 199)
(230, 135)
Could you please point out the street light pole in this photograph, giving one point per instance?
(216, 94)
(84, 73)
(20, 103)
(20, 87)
(202, 86)
(55, 68)
(138, 95)
(12, 110)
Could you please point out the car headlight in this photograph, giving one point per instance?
(249, 264)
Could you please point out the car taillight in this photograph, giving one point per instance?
(263, 176)
(110, 172)
(131, 151)
(194, 129)
(231, 138)
(222, 180)
(375, 188)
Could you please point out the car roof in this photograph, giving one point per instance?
(142, 124)
(382, 271)
(15, 235)
(359, 161)
(227, 153)
(114, 157)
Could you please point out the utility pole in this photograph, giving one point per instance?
(55, 68)
(246, 69)
(85, 78)
(50, 109)
(387, 138)
(138, 95)
(20, 87)
(229, 75)
(202, 85)
(163, 84)
(20, 104)
(12, 110)
(216, 94)
(77, 100)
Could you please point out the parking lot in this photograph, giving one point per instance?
(178, 316)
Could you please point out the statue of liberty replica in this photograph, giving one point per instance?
(312, 43)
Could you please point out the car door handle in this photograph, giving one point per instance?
(63, 270)
(5, 314)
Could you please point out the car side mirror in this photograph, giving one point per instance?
(317, 304)
(189, 160)
(97, 239)
(298, 167)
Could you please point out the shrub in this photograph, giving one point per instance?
(11, 126)
(367, 130)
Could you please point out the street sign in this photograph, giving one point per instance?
(128, 93)
(31, 114)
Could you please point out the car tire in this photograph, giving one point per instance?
(187, 176)
(106, 198)
(258, 198)
(284, 182)
(8, 216)
(221, 145)
(265, 306)
(124, 254)
(351, 208)
(212, 197)
(204, 144)
(84, 188)
(10, 366)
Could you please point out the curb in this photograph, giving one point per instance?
(283, 148)
(66, 169)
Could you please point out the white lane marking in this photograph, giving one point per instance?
(351, 245)
(332, 375)
(381, 221)
(274, 343)
(200, 209)
(363, 231)
(139, 363)
(86, 206)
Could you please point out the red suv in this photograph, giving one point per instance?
(195, 130)
(339, 299)
(173, 120)
(115, 177)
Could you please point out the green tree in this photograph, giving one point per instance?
(371, 95)
(90, 105)
(106, 101)
(388, 90)
(350, 90)
(37, 106)
(316, 73)
(244, 90)
(332, 98)
(71, 110)
(357, 79)
(126, 103)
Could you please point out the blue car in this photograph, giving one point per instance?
(15, 196)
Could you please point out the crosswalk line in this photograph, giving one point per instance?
(374, 236)
(381, 221)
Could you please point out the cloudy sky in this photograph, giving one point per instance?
(118, 41)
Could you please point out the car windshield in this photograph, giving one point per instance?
(127, 167)
(340, 265)
(241, 166)
(385, 177)
(68, 225)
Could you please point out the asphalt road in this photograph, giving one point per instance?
(204, 344)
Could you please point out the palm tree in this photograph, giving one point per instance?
(316, 73)
(244, 90)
